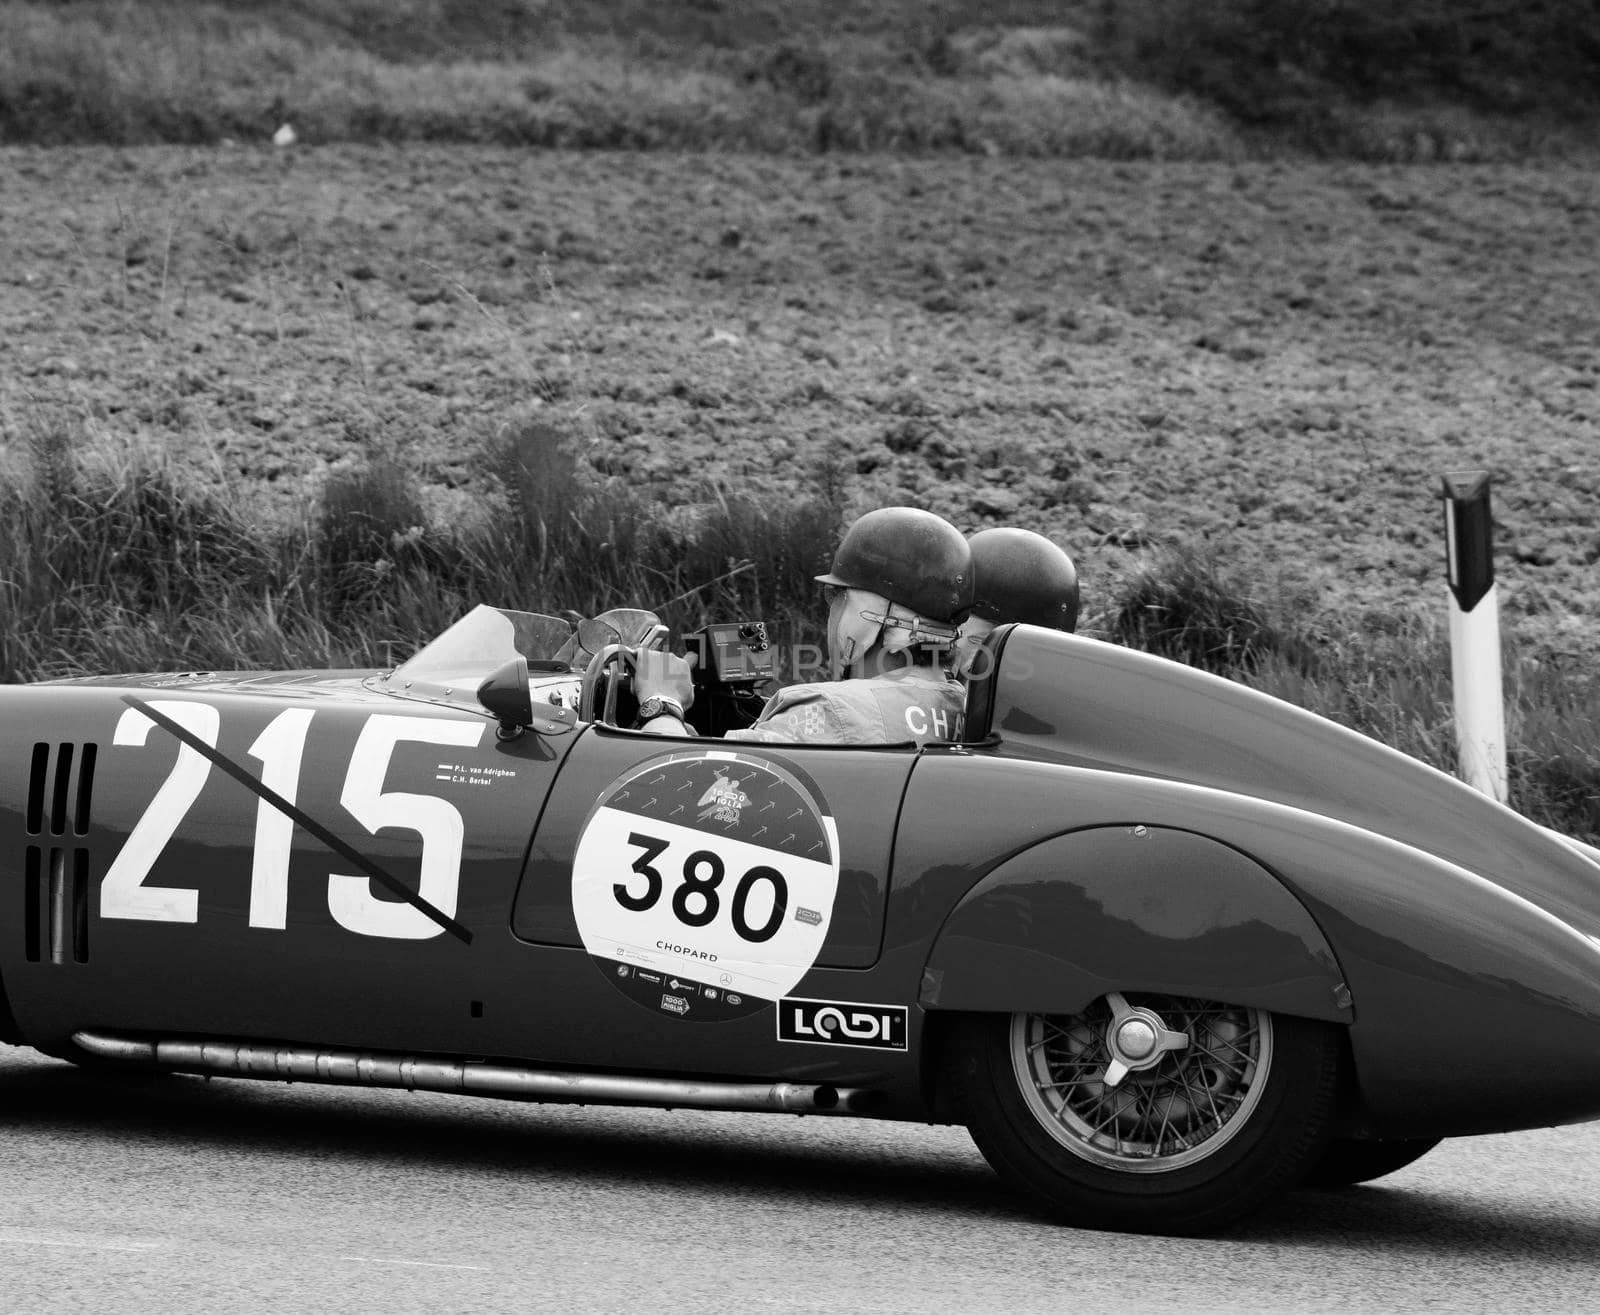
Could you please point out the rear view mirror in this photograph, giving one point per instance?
(505, 694)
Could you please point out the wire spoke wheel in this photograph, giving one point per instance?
(1168, 1108)
(1146, 1112)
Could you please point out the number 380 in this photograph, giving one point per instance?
(696, 902)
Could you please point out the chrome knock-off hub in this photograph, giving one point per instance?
(1137, 1039)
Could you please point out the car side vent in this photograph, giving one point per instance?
(36, 787)
(56, 876)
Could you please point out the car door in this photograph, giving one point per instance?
(675, 890)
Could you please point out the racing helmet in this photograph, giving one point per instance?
(910, 557)
(1022, 576)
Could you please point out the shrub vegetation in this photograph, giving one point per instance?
(117, 560)
(1360, 77)
(681, 74)
(1392, 79)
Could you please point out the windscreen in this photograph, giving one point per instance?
(484, 640)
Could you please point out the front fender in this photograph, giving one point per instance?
(1120, 908)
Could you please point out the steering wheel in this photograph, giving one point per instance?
(608, 670)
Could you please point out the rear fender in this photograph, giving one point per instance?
(1132, 908)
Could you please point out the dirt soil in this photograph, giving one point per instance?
(1274, 360)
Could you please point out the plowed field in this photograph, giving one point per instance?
(1277, 360)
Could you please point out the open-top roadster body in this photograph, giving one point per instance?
(1166, 945)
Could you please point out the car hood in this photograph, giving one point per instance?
(357, 685)
(1063, 698)
(298, 684)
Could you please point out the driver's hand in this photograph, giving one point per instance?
(660, 674)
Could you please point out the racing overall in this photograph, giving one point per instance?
(913, 703)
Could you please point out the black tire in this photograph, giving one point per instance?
(1347, 1162)
(1244, 1109)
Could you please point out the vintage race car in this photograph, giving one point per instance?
(1167, 946)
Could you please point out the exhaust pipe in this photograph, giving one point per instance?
(468, 1077)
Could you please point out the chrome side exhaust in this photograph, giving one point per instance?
(467, 1077)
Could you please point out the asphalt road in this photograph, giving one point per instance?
(175, 1194)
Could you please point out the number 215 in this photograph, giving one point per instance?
(126, 893)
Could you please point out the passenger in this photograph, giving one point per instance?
(900, 584)
(1021, 576)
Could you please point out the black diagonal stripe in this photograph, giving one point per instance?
(302, 819)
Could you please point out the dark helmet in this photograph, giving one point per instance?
(910, 557)
(1022, 576)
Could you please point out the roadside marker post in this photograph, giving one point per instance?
(1474, 633)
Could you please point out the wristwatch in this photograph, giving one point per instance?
(657, 705)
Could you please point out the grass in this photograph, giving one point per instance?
(1146, 79)
(116, 559)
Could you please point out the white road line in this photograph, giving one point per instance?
(12, 1240)
(87, 1246)
(421, 1264)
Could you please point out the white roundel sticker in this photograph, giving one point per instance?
(703, 884)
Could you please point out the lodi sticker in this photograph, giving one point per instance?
(703, 884)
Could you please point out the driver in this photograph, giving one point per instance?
(900, 583)
(1021, 576)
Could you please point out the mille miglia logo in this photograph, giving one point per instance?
(723, 802)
